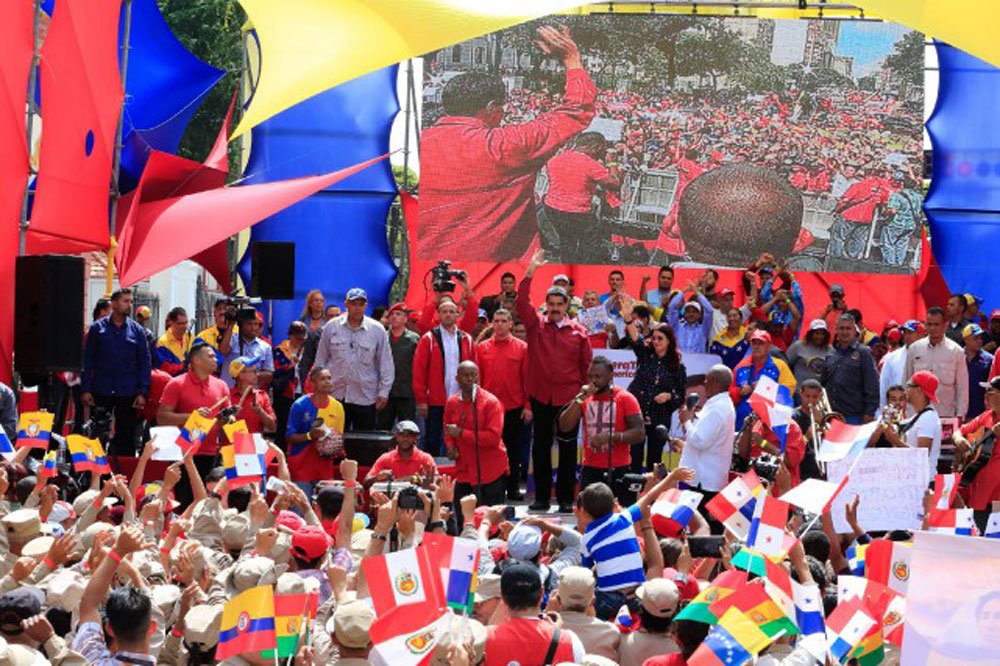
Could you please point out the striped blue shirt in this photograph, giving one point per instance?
(610, 543)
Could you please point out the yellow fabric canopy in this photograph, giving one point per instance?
(312, 45)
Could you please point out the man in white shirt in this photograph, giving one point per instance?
(894, 363)
(707, 447)
(945, 360)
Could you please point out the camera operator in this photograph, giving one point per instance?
(404, 461)
(355, 349)
(707, 447)
(220, 336)
(473, 420)
(200, 390)
(444, 280)
(116, 366)
(249, 344)
(612, 423)
(757, 440)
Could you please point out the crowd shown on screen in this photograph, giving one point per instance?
(626, 546)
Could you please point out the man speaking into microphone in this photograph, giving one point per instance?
(612, 423)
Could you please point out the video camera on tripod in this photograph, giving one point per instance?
(443, 277)
(241, 309)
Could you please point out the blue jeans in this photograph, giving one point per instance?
(607, 604)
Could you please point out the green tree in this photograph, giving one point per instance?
(906, 62)
(757, 74)
(713, 54)
(210, 29)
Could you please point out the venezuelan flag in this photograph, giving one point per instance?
(49, 470)
(753, 601)
(289, 611)
(724, 585)
(194, 431)
(247, 623)
(87, 455)
(732, 642)
(34, 429)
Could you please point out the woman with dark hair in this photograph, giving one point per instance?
(313, 312)
(659, 384)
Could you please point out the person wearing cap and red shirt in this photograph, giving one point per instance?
(313, 417)
(404, 461)
(199, 390)
(401, 405)
(435, 367)
(503, 370)
(750, 369)
(985, 487)
(254, 405)
(923, 429)
(473, 429)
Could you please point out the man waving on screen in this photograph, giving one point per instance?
(478, 178)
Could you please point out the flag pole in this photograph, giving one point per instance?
(848, 474)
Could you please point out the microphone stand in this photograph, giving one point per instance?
(475, 434)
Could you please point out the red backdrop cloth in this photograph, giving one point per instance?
(879, 297)
(82, 93)
(16, 26)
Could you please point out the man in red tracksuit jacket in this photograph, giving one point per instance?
(435, 366)
(559, 356)
(473, 421)
(503, 369)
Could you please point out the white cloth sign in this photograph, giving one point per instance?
(624, 362)
(891, 485)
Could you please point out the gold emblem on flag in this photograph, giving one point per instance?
(420, 643)
(711, 595)
(758, 617)
(293, 626)
(901, 570)
(406, 583)
(243, 623)
(33, 429)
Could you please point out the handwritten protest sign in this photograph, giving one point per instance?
(891, 485)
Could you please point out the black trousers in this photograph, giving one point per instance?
(397, 409)
(591, 475)
(359, 417)
(434, 431)
(547, 429)
(647, 453)
(282, 406)
(512, 428)
(493, 493)
(125, 418)
(707, 495)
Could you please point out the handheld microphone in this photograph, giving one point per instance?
(692, 401)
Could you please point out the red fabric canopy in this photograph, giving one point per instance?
(81, 92)
(170, 230)
(16, 25)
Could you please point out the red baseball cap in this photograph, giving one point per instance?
(927, 382)
(310, 542)
(726, 292)
(291, 520)
(995, 314)
(399, 307)
(761, 335)
(894, 335)
(479, 516)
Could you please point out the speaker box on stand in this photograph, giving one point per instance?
(272, 270)
(48, 314)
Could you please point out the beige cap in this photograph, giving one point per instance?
(351, 624)
(149, 566)
(236, 532)
(20, 655)
(89, 534)
(488, 588)
(23, 524)
(202, 624)
(38, 547)
(659, 597)
(86, 498)
(65, 589)
(475, 634)
(165, 598)
(290, 583)
(250, 572)
(206, 523)
(576, 586)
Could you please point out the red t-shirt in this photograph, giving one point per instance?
(862, 199)
(186, 393)
(795, 447)
(600, 412)
(401, 469)
(986, 486)
(247, 412)
(573, 178)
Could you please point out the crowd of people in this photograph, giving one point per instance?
(134, 567)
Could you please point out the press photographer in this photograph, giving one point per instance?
(612, 423)
(760, 448)
(248, 342)
(443, 280)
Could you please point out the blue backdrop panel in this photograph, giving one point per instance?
(963, 205)
(164, 86)
(339, 234)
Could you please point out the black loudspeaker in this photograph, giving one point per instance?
(272, 270)
(48, 314)
(366, 447)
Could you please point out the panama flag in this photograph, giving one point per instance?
(945, 488)
(402, 578)
(814, 495)
(458, 561)
(242, 462)
(809, 618)
(993, 526)
(408, 636)
(6, 448)
(773, 404)
(952, 521)
(672, 513)
(734, 505)
(842, 440)
(847, 625)
(767, 529)
(888, 562)
(884, 603)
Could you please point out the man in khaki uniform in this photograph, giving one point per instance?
(659, 605)
(575, 600)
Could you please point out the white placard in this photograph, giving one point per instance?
(891, 485)
(165, 446)
(594, 319)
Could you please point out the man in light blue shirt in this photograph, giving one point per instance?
(251, 345)
(694, 328)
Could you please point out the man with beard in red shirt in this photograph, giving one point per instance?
(478, 178)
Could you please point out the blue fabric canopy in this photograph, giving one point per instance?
(340, 233)
(963, 204)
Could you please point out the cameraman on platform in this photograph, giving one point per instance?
(250, 345)
(612, 423)
(443, 284)
(220, 336)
